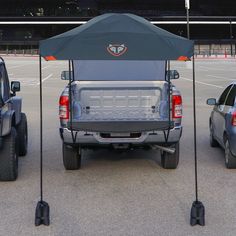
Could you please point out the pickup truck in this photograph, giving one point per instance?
(120, 114)
(13, 127)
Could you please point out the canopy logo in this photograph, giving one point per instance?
(116, 49)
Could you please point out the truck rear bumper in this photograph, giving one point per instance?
(121, 126)
(145, 138)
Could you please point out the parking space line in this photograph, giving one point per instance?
(216, 69)
(198, 82)
(45, 67)
(212, 68)
(12, 67)
(220, 77)
(204, 68)
(23, 78)
(48, 77)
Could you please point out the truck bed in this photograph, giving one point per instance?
(120, 106)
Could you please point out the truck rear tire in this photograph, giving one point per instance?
(22, 132)
(9, 157)
(71, 157)
(168, 160)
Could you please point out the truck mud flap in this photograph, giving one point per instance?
(120, 126)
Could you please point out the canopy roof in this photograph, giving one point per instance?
(117, 37)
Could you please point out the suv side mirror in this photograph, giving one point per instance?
(66, 76)
(15, 87)
(174, 74)
(211, 101)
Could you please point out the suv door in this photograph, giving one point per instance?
(218, 117)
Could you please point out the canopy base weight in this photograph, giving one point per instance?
(42, 215)
(197, 214)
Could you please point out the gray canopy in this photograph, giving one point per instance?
(117, 37)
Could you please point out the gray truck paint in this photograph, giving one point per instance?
(92, 137)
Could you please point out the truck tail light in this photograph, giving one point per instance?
(64, 108)
(176, 106)
(234, 118)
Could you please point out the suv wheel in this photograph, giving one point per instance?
(170, 161)
(22, 132)
(213, 142)
(71, 157)
(9, 157)
(230, 159)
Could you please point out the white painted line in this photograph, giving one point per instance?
(83, 22)
(216, 69)
(48, 77)
(42, 22)
(195, 22)
(220, 77)
(45, 67)
(198, 82)
(24, 78)
(12, 67)
(205, 68)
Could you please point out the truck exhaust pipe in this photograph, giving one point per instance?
(166, 149)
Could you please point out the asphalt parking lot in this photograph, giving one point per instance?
(119, 193)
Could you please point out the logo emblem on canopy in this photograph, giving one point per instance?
(116, 49)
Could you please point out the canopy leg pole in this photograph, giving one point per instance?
(166, 135)
(197, 215)
(42, 214)
(71, 104)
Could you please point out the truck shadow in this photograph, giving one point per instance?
(103, 155)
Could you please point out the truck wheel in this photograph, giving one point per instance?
(230, 159)
(71, 157)
(170, 161)
(22, 132)
(9, 157)
(213, 142)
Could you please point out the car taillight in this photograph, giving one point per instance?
(64, 107)
(176, 106)
(234, 119)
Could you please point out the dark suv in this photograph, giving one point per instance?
(13, 127)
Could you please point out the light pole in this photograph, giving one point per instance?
(231, 37)
(187, 6)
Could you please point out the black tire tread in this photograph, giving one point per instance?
(71, 157)
(170, 161)
(22, 130)
(8, 160)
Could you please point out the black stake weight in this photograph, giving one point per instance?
(42, 215)
(197, 216)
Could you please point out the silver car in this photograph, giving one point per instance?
(222, 124)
